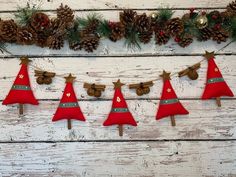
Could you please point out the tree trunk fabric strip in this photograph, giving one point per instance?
(119, 110)
(169, 101)
(69, 105)
(215, 80)
(20, 87)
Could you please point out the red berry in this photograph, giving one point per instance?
(203, 12)
(161, 33)
(214, 17)
(177, 39)
(191, 10)
(111, 24)
(217, 26)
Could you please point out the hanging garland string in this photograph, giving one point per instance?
(32, 26)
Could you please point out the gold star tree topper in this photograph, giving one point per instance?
(70, 78)
(24, 60)
(209, 55)
(118, 84)
(165, 76)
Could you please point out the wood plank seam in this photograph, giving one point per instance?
(120, 141)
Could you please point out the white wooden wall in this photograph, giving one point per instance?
(202, 144)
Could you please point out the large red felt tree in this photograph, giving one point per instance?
(120, 113)
(215, 84)
(21, 90)
(68, 107)
(169, 104)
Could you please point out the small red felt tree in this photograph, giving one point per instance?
(119, 114)
(215, 84)
(169, 104)
(68, 107)
(21, 90)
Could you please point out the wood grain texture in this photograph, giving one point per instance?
(205, 121)
(136, 159)
(114, 4)
(201, 145)
(109, 69)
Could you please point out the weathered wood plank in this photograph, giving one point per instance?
(114, 4)
(205, 121)
(109, 69)
(136, 159)
(108, 48)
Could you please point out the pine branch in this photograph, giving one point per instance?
(165, 14)
(24, 14)
(3, 48)
(232, 28)
(73, 33)
(190, 27)
(83, 22)
(132, 40)
(103, 29)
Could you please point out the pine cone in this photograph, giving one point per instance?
(8, 30)
(90, 28)
(26, 36)
(41, 39)
(89, 43)
(226, 17)
(145, 37)
(142, 23)
(161, 37)
(39, 21)
(185, 40)
(220, 35)
(127, 17)
(74, 45)
(205, 34)
(175, 26)
(117, 31)
(55, 42)
(66, 14)
(232, 7)
(57, 27)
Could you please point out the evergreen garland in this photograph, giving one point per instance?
(91, 29)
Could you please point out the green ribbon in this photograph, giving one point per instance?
(119, 110)
(69, 105)
(20, 87)
(169, 101)
(215, 80)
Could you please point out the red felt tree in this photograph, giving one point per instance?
(215, 84)
(169, 103)
(119, 114)
(68, 107)
(21, 90)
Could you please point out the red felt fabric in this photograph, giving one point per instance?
(21, 96)
(119, 118)
(68, 112)
(218, 89)
(166, 110)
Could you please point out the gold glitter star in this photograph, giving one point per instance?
(169, 90)
(118, 84)
(68, 94)
(165, 75)
(216, 69)
(209, 55)
(69, 79)
(24, 60)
